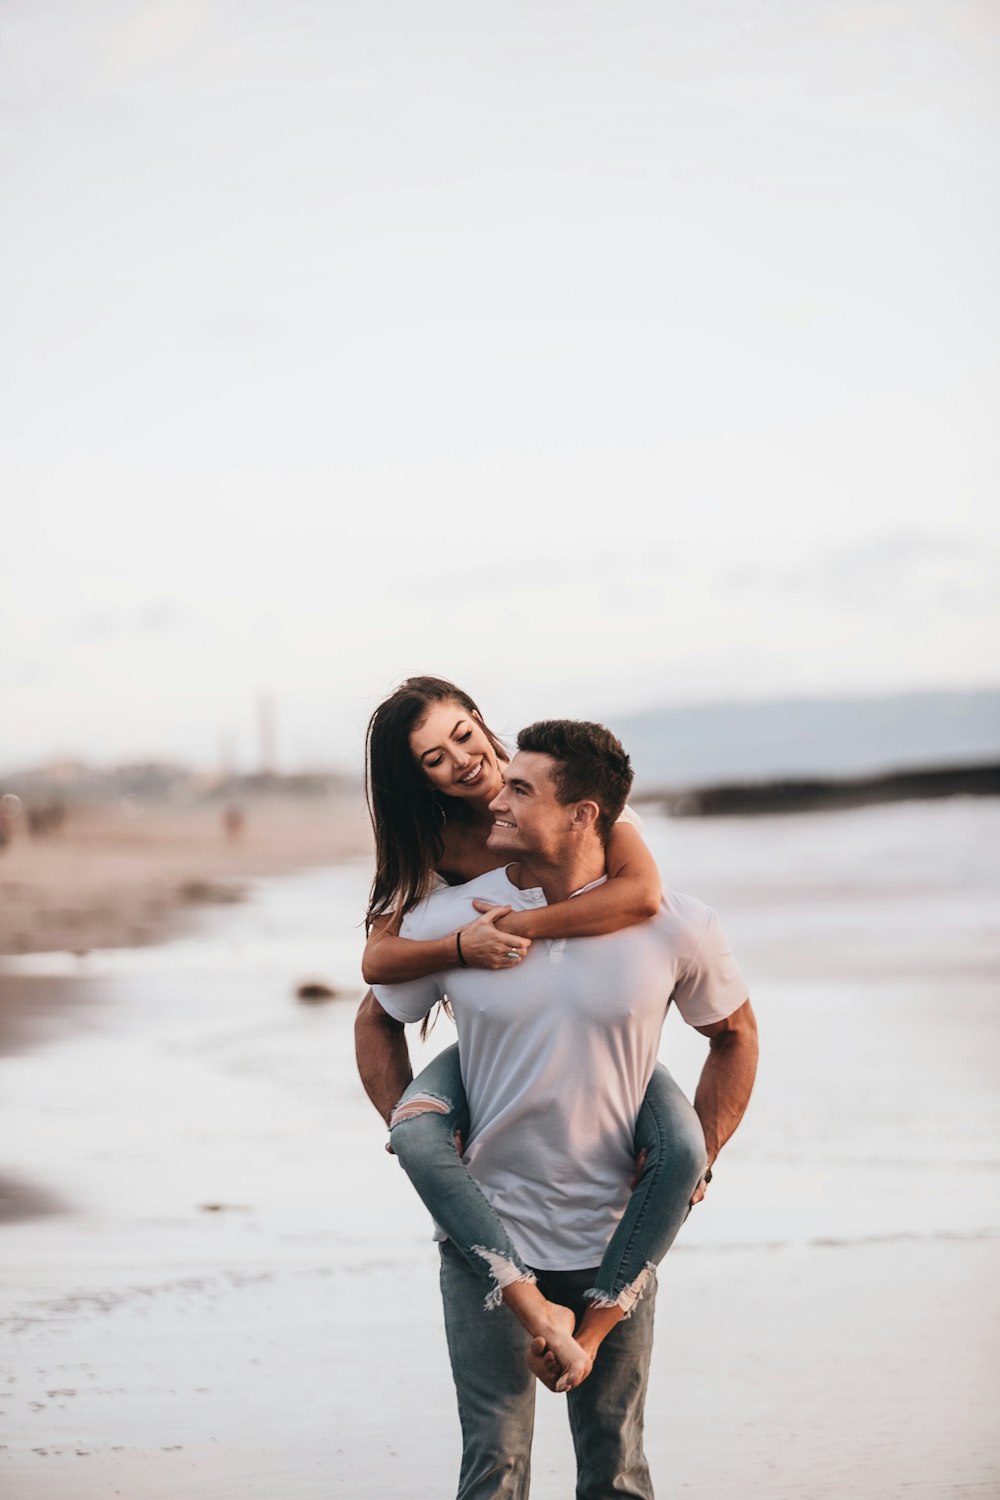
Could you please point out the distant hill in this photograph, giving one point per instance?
(709, 744)
(829, 793)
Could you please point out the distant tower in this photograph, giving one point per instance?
(226, 758)
(265, 725)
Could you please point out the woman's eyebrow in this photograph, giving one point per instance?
(433, 749)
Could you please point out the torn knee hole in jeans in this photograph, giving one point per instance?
(420, 1104)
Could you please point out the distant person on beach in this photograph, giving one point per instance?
(233, 821)
(10, 811)
(45, 818)
(556, 1053)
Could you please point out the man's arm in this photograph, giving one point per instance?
(382, 1054)
(726, 1081)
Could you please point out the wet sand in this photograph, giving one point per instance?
(224, 1288)
(117, 876)
(779, 1375)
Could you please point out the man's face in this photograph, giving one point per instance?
(527, 817)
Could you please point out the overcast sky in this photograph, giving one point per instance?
(592, 354)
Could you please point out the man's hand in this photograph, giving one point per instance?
(640, 1167)
(700, 1190)
(484, 947)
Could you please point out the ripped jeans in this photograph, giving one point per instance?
(422, 1133)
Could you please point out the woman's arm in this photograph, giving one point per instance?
(391, 959)
(632, 893)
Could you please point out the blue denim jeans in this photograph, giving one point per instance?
(667, 1130)
(496, 1391)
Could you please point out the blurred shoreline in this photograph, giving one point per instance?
(826, 793)
(123, 874)
(107, 867)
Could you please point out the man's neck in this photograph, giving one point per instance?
(558, 881)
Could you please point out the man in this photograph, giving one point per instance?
(556, 1055)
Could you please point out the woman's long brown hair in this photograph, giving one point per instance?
(407, 815)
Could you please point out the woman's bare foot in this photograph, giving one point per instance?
(564, 1362)
(542, 1363)
(595, 1325)
(554, 1356)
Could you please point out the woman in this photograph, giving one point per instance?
(433, 767)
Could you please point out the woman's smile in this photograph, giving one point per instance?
(454, 751)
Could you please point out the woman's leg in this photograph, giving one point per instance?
(669, 1136)
(422, 1134)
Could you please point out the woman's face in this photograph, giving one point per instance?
(452, 749)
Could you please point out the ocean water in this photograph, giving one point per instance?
(205, 1143)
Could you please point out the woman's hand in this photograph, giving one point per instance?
(484, 947)
(510, 922)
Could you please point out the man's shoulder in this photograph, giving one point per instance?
(681, 906)
(441, 909)
(709, 985)
(684, 919)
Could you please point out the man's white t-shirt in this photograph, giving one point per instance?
(557, 1052)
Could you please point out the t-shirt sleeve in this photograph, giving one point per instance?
(710, 985)
(410, 1001)
(415, 998)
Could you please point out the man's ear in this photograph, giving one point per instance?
(585, 815)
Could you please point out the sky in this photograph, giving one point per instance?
(593, 355)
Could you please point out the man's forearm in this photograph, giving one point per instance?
(726, 1081)
(382, 1055)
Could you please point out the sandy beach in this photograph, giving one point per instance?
(217, 1285)
(126, 875)
(121, 875)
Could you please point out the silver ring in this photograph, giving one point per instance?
(512, 953)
